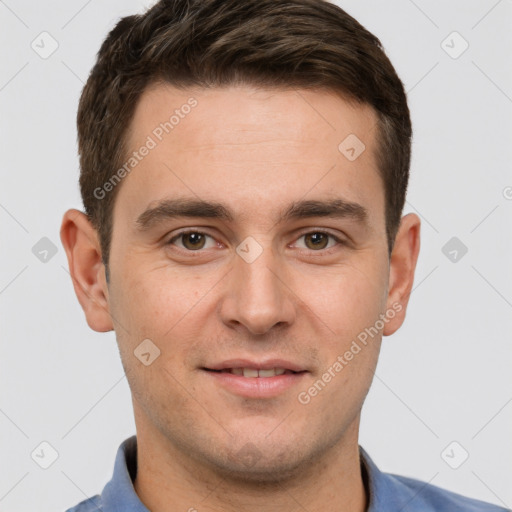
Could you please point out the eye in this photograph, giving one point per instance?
(191, 240)
(194, 241)
(319, 240)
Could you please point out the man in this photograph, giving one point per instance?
(244, 167)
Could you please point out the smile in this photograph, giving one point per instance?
(254, 372)
(250, 382)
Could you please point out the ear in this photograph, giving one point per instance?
(80, 240)
(401, 273)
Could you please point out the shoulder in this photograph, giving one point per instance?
(425, 497)
(391, 492)
(118, 493)
(88, 505)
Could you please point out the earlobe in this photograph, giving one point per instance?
(80, 241)
(402, 267)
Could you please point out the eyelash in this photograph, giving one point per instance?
(327, 233)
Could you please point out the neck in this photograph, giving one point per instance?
(168, 480)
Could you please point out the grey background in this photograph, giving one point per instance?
(444, 377)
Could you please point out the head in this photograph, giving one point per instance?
(278, 131)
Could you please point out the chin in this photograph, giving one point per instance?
(269, 471)
(261, 462)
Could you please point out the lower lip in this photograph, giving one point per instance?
(256, 387)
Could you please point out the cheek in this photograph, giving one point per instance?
(347, 299)
(152, 304)
(164, 307)
(151, 307)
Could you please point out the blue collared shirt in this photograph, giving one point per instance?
(386, 492)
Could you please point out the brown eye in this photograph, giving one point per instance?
(322, 242)
(316, 240)
(191, 240)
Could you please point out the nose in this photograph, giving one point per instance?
(258, 295)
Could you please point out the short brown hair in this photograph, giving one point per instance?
(213, 43)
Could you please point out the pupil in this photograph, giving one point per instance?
(194, 239)
(317, 239)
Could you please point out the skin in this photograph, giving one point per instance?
(255, 151)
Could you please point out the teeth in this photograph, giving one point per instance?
(252, 372)
(267, 373)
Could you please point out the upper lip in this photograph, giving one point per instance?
(267, 364)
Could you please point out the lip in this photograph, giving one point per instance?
(255, 387)
(267, 364)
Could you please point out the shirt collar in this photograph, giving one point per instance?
(383, 491)
(119, 494)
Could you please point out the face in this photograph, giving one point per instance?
(286, 267)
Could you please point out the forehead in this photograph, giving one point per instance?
(251, 114)
(254, 148)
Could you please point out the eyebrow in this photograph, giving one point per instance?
(194, 208)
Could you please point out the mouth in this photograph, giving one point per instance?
(255, 372)
(252, 379)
